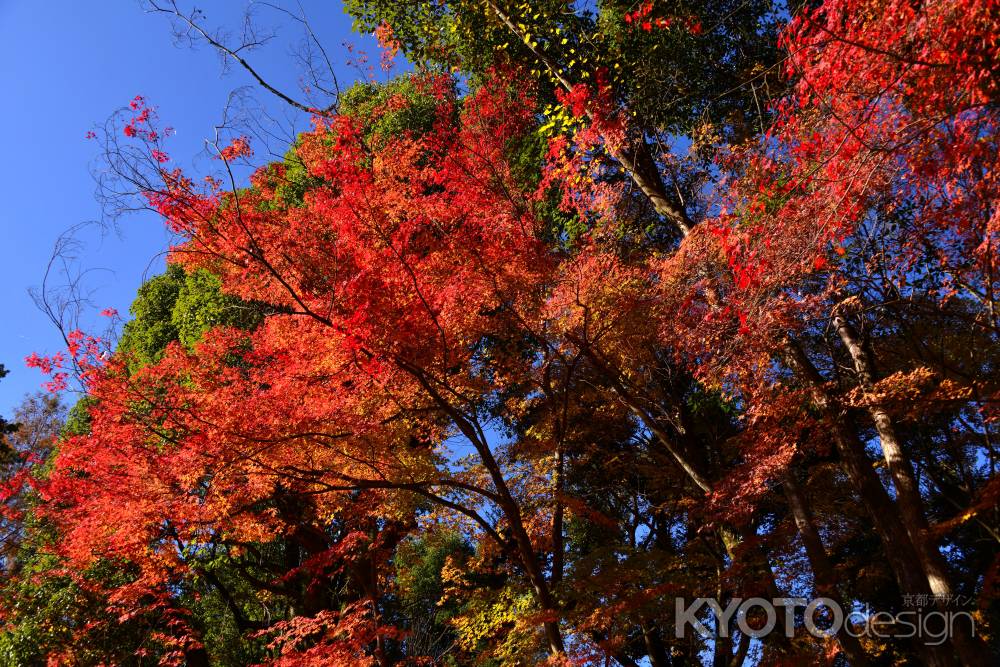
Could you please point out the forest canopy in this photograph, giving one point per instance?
(589, 311)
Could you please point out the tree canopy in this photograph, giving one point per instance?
(601, 309)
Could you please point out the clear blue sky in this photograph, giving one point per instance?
(65, 66)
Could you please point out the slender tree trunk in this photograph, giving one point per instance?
(900, 468)
(908, 499)
(654, 646)
(196, 657)
(823, 571)
(522, 542)
(723, 649)
(888, 524)
(639, 164)
(557, 517)
(741, 651)
(761, 579)
(625, 660)
(528, 557)
(730, 538)
(650, 422)
(636, 159)
(542, 593)
(526, 551)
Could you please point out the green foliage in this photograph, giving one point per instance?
(180, 306)
(419, 563)
(78, 418)
(418, 570)
(527, 160)
(427, 31)
(147, 336)
(294, 181)
(5, 426)
(45, 612)
(201, 305)
(384, 111)
(713, 63)
(212, 599)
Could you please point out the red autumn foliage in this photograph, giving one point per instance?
(414, 295)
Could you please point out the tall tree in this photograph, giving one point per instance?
(551, 345)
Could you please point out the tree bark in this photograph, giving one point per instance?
(557, 517)
(888, 524)
(823, 572)
(908, 499)
(654, 646)
(508, 505)
(907, 490)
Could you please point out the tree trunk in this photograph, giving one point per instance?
(911, 505)
(522, 542)
(888, 524)
(636, 159)
(542, 593)
(557, 517)
(823, 572)
(654, 646)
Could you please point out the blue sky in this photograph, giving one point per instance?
(65, 67)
